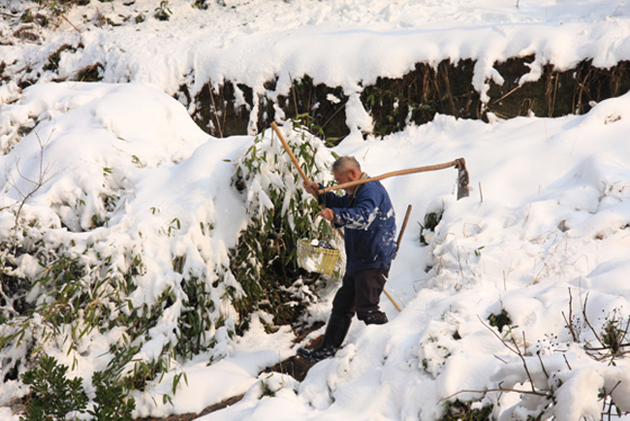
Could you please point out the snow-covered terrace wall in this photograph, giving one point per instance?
(262, 48)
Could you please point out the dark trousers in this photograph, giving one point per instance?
(360, 292)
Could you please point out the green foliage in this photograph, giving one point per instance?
(112, 402)
(396, 105)
(81, 296)
(614, 332)
(54, 58)
(309, 105)
(90, 73)
(431, 220)
(67, 290)
(200, 4)
(53, 395)
(466, 411)
(500, 320)
(59, 7)
(266, 390)
(162, 12)
(196, 318)
(309, 123)
(478, 250)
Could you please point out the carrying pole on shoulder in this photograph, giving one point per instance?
(462, 176)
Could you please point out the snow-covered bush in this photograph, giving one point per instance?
(567, 364)
(265, 259)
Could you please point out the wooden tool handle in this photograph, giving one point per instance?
(274, 126)
(402, 229)
(392, 300)
(392, 174)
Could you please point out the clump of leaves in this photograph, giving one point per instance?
(84, 296)
(53, 395)
(163, 12)
(54, 58)
(266, 390)
(612, 336)
(500, 320)
(91, 73)
(431, 220)
(58, 7)
(200, 4)
(466, 411)
(112, 402)
(614, 332)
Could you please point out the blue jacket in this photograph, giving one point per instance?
(369, 225)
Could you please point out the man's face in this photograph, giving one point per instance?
(342, 177)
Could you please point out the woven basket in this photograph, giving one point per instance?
(316, 259)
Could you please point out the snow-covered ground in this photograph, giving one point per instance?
(544, 234)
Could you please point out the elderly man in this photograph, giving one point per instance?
(367, 215)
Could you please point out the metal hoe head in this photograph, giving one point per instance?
(462, 178)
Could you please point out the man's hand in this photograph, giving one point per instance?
(311, 187)
(328, 214)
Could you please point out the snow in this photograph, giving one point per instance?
(543, 235)
(252, 42)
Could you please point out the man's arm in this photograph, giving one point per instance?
(360, 216)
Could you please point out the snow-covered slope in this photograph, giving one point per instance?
(543, 236)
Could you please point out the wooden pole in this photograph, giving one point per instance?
(274, 126)
(402, 230)
(404, 225)
(392, 300)
(455, 163)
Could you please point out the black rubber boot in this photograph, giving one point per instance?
(375, 318)
(336, 332)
